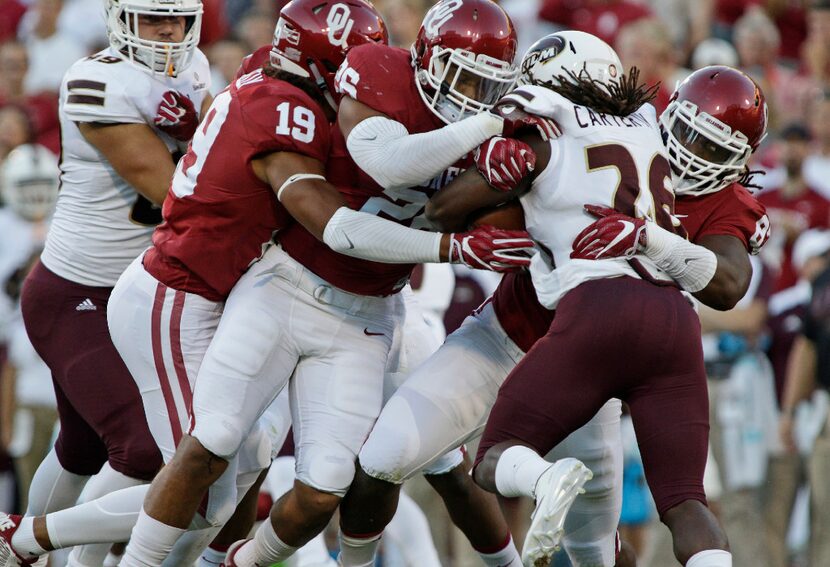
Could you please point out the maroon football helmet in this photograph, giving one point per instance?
(463, 57)
(714, 121)
(312, 37)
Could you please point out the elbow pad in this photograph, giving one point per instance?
(368, 237)
(692, 266)
(393, 157)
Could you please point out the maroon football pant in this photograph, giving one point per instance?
(616, 338)
(100, 409)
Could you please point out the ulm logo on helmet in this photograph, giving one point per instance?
(340, 25)
(442, 15)
(545, 53)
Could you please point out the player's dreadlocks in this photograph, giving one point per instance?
(620, 97)
(304, 84)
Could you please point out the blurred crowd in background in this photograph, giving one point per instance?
(769, 379)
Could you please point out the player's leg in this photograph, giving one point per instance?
(591, 525)
(442, 404)
(248, 362)
(336, 397)
(670, 413)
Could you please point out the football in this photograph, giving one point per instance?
(508, 216)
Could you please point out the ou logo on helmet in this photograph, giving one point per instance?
(340, 25)
(442, 15)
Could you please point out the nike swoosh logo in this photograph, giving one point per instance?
(372, 139)
(628, 228)
(349, 240)
(370, 334)
(687, 261)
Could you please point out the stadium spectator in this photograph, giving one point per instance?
(255, 29)
(404, 19)
(815, 51)
(817, 165)
(603, 18)
(758, 43)
(41, 108)
(809, 370)
(51, 51)
(794, 206)
(225, 56)
(646, 44)
(688, 23)
(11, 11)
(15, 129)
(714, 51)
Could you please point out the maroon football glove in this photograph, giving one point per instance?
(516, 119)
(176, 116)
(614, 235)
(490, 248)
(504, 162)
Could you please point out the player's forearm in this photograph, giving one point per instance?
(393, 157)
(368, 237)
(691, 266)
(727, 286)
(801, 375)
(746, 321)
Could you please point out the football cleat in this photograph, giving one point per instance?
(556, 491)
(229, 562)
(9, 557)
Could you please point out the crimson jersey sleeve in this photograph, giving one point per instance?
(732, 211)
(280, 117)
(379, 76)
(254, 61)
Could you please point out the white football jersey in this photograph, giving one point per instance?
(101, 223)
(605, 160)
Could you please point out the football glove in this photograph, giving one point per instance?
(490, 248)
(516, 120)
(613, 235)
(176, 116)
(504, 162)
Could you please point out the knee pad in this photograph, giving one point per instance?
(328, 469)
(255, 453)
(390, 455)
(445, 463)
(221, 437)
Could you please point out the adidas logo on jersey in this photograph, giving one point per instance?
(86, 305)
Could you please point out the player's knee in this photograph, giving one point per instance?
(136, 458)
(393, 451)
(445, 464)
(326, 469)
(222, 437)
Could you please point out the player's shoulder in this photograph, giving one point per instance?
(256, 89)
(103, 66)
(103, 87)
(738, 198)
(379, 60)
(254, 61)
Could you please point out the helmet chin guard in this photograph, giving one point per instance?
(157, 57)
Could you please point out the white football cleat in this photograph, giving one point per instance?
(229, 557)
(8, 554)
(556, 491)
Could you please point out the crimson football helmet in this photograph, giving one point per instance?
(463, 57)
(714, 121)
(312, 37)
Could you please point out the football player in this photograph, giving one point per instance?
(123, 112)
(254, 166)
(648, 352)
(447, 400)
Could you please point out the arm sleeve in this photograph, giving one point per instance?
(95, 91)
(393, 157)
(368, 237)
(692, 266)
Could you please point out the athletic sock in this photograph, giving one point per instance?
(358, 550)
(211, 557)
(710, 558)
(518, 471)
(24, 540)
(265, 548)
(150, 543)
(507, 556)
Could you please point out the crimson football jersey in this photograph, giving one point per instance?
(382, 78)
(254, 61)
(218, 214)
(731, 211)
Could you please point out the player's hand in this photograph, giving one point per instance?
(176, 116)
(614, 235)
(490, 248)
(504, 162)
(516, 120)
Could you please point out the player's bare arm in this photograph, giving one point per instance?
(732, 276)
(136, 153)
(301, 187)
(451, 208)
